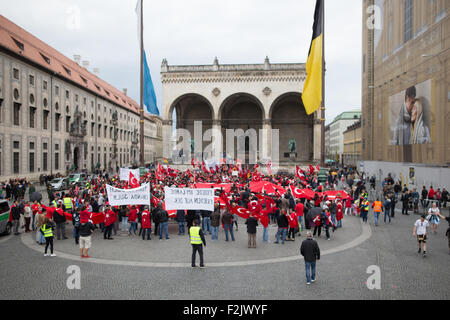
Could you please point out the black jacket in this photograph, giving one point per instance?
(15, 213)
(181, 216)
(282, 221)
(86, 229)
(251, 223)
(310, 250)
(163, 216)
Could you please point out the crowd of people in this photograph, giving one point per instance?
(88, 209)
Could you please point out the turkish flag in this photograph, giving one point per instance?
(311, 169)
(241, 212)
(299, 173)
(224, 198)
(192, 162)
(133, 181)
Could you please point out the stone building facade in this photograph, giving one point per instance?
(407, 46)
(352, 145)
(241, 96)
(56, 116)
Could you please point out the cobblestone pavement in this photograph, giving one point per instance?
(130, 268)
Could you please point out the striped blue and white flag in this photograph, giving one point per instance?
(149, 91)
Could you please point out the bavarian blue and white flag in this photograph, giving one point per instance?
(149, 91)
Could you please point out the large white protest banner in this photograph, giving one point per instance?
(124, 173)
(189, 199)
(121, 197)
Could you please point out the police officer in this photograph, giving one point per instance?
(197, 241)
(67, 202)
(47, 230)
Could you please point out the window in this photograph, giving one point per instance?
(45, 119)
(44, 85)
(45, 145)
(76, 98)
(67, 94)
(16, 144)
(67, 71)
(56, 90)
(16, 73)
(84, 80)
(44, 161)
(45, 102)
(99, 130)
(408, 31)
(31, 80)
(31, 98)
(67, 124)
(16, 94)
(46, 59)
(57, 146)
(57, 116)
(16, 164)
(32, 116)
(84, 100)
(31, 164)
(57, 161)
(16, 112)
(18, 44)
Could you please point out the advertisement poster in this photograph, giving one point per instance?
(410, 115)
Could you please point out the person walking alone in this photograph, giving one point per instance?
(420, 228)
(311, 252)
(197, 239)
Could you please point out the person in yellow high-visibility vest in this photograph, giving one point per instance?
(197, 239)
(47, 230)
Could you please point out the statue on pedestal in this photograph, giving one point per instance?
(292, 145)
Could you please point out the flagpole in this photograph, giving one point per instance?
(322, 116)
(141, 109)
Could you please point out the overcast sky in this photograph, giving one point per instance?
(104, 32)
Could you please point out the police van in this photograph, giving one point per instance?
(5, 225)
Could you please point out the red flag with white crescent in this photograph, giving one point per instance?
(133, 181)
(241, 212)
(299, 172)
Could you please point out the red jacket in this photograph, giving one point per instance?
(146, 221)
(293, 221)
(339, 212)
(264, 217)
(110, 218)
(133, 215)
(299, 209)
(35, 208)
(49, 211)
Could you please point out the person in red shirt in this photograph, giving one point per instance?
(348, 206)
(264, 219)
(299, 208)
(146, 224)
(293, 226)
(132, 219)
(339, 213)
(431, 193)
(48, 211)
(110, 218)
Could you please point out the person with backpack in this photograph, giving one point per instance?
(76, 224)
(47, 231)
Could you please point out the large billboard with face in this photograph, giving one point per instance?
(410, 115)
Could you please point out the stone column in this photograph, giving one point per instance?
(167, 139)
(266, 144)
(217, 144)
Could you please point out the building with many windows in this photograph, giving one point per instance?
(352, 145)
(337, 129)
(56, 116)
